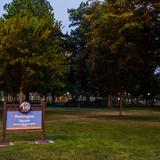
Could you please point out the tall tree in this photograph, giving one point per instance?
(36, 8)
(119, 59)
(77, 45)
(30, 45)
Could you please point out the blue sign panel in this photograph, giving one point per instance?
(19, 121)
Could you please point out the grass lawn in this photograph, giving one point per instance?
(91, 134)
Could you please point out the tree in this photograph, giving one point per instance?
(77, 45)
(35, 8)
(119, 59)
(30, 46)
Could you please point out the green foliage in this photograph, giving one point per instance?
(35, 8)
(31, 47)
(115, 46)
(122, 37)
(77, 45)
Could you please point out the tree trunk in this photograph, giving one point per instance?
(131, 100)
(152, 101)
(121, 104)
(110, 101)
(75, 100)
(87, 99)
(15, 98)
(7, 98)
(21, 97)
(45, 98)
(27, 96)
(53, 97)
(147, 101)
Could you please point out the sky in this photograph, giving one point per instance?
(60, 8)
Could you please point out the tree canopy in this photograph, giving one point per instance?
(113, 47)
(119, 41)
(31, 46)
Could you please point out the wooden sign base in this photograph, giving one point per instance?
(43, 141)
(6, 143)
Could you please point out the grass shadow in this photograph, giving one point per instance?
(63, 137)
(149, 118)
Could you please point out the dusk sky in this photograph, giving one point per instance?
(60, 9)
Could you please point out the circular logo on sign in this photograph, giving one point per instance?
(25, 107)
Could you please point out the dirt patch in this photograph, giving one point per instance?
(134, 116)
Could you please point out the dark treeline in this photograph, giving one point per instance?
(115, 48)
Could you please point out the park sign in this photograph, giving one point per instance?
(25, 117)
(20, 121)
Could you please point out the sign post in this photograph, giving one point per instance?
(24, 118)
